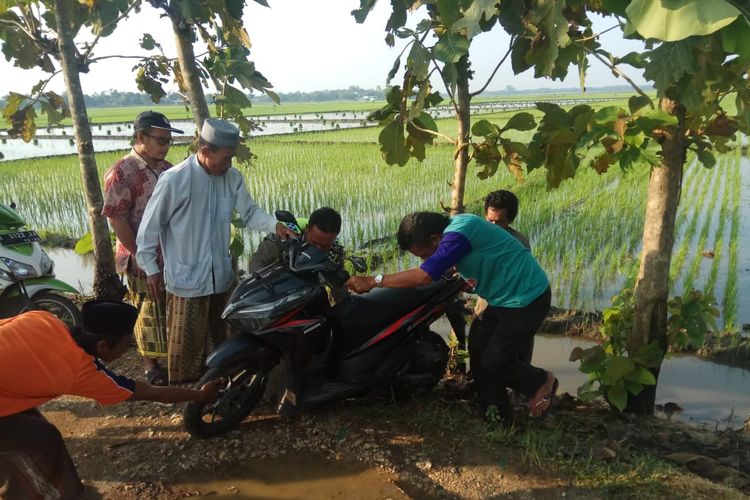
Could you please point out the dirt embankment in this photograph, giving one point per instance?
(436, 447)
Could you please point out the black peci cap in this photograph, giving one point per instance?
(108, 317)
(154, 120)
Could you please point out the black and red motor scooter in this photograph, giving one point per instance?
(291, 348)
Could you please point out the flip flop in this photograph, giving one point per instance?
(549, 398)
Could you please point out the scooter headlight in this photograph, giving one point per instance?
(47, 265)
(19, 270)
(5, 274)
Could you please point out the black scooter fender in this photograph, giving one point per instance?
(242, 348)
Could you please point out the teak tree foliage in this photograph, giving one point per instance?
(41, 34)
(697, 58)
(226, 63)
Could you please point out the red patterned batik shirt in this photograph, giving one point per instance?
(128, 185)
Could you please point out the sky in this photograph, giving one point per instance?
(305, 45)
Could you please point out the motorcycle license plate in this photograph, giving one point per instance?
(19, 238)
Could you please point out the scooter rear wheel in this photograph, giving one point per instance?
(426, 368)
(62, 308)
(242, 390)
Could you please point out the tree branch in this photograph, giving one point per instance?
(22, 29)
(619, 73)
(510, 47)
(116, 56)
(597, 35)
(432, 132)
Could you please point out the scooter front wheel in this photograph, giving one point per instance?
(64, 309)
(241, 391)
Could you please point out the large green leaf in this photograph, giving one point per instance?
(85, 244)
(618, 396)
(478, 11)
(735, 38)
(608, 114)
(512, 16)
(642, 376)
(418, 61)
(638, 102)
(649, 355)
(673, 20)
(365, 6)
(485, 128)
(394, 69)
(618, 367)
(520, 121)
(393, 144)
(706, 158)
(670, 61)
(450, 48)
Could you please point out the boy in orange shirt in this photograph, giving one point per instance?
(41, 359)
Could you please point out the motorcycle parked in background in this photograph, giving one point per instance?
(27, 273)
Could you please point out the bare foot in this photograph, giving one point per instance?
(539, 404)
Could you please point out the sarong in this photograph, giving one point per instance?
(151, 327)
(191, 323)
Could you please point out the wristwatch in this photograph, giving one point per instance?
(379, 281)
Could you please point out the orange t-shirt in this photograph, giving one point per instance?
(39, 361)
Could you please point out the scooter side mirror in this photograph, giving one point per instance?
(359, 263)
(286, 216)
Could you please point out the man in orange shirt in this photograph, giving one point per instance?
(41, 359)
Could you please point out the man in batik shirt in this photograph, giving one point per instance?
(128, 186)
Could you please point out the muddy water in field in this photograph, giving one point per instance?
(75, 270)
(299, 475)
(709, 393)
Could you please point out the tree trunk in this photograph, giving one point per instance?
(652, 285)
(461, 159)
(106, 282)
(183, 33)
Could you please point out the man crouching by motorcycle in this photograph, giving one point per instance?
(320, 231)
(41, 359)
(511, 281)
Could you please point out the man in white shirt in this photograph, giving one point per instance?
(190, 215)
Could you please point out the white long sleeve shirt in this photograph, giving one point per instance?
(190, 214)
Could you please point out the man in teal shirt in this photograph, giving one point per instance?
(506, 275)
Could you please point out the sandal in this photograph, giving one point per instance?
(157, 376)
(549, 398)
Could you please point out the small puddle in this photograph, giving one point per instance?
(299, 475)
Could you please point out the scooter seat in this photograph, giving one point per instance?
(364, 315)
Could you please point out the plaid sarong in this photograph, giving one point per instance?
(192, 323)
(151, 326)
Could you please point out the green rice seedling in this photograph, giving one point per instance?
(718, 246)
(698, 257)
(730, 291)
(678, 259)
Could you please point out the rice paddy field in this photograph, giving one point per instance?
(586, 234)
(124, 114)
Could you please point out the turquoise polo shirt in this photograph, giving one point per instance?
(507, 274)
